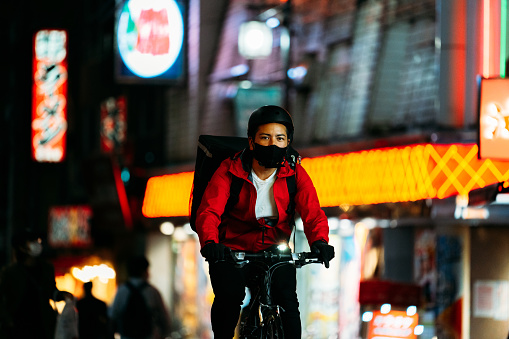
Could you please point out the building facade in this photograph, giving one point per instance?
(385, 77)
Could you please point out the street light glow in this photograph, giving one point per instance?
(272, 22)
(255, 40)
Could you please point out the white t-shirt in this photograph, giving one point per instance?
(265, 203)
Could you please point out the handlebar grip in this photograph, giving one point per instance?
(310, 255)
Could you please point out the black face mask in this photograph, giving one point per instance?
(269, 156)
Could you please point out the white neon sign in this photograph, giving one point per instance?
(150, 36)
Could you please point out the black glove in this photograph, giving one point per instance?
(325, 251)
(213, 252)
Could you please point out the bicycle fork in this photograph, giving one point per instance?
(262, 310)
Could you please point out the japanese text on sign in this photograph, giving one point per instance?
(49, 96)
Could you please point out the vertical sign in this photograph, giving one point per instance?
(113, 123)
(49, 96)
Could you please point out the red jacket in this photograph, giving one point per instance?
(239, 229)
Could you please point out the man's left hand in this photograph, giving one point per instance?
(325, 251)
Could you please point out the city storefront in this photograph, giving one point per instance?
(425, 196)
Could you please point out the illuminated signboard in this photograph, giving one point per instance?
(150, 41)
(69, 226)
(49, 96)
(113, 123)
(393, 325)
(409, 173)
(494, 118)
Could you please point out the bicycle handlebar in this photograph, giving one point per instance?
(298, 259)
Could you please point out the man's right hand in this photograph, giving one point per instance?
(213, 252)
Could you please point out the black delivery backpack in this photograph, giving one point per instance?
(211, 151)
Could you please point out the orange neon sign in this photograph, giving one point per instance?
(49, 96)
(374, 176)
(168, 195)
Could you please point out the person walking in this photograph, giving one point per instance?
(138, 311)
(26, 287)
(93, 320)
(259, 220)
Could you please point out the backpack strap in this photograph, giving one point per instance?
(235, 188)
(292, 191)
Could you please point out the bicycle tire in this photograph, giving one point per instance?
(272, 327)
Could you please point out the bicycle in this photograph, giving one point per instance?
(261, 317)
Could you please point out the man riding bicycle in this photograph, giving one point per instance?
(260, 220)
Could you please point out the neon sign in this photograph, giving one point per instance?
(494, 119)
(69, 226)
(150, 36)
(49, 96)
(395, 325)
(113, 123)
(409, 173)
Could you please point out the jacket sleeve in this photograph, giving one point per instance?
(213, 204)
(313, 217)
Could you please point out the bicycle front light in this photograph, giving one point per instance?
(282, 247)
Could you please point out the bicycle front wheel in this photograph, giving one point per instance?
(272, 326)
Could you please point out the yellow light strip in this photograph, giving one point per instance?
(408, 173)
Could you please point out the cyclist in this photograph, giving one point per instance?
(259, 220)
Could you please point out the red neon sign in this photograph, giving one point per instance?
(49, 96)
(113, 123)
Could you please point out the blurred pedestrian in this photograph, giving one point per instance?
(26, 287)
(93, 321)
(67, 321)
(136, 317)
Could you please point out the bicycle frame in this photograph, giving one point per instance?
(261, 318)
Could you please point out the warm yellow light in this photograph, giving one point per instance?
(375, 176)
(87, 273)
(167, 228)
(168, 195)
